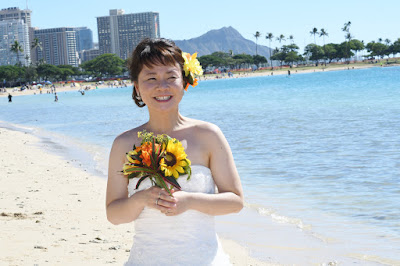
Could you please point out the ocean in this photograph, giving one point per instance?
(318, 155)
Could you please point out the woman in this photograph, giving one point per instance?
(177, 229)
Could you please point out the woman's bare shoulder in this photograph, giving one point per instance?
(206, 131)
(128, 138)
(203, 126)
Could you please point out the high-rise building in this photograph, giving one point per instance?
(11, 31)
(120, 33)
(14, 13)
(58, 46)
(19, 22)
(84, 39)
(87, 55)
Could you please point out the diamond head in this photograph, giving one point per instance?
(225, 39)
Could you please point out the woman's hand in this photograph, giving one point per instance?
(159, 199)
(181, 203)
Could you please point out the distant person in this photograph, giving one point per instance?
(288, 72)
(9, 98)
(55, 97)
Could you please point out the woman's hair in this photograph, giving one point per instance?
(151, 52)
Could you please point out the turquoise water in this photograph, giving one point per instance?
(319, 152)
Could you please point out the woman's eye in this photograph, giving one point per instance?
(173, 77)
(151, 79)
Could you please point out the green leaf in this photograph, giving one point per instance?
(133, 175)
(189, 172)
(172, 181)
(136, 157)
(141, 169)
(140, 181)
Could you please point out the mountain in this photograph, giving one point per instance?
(224, 39)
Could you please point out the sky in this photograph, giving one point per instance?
(181, 20)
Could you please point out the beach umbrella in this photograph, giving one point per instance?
(48, 82)
(39, 85)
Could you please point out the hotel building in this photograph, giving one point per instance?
(58, 46)
(87, 55)
(120, 33)
(84, 39)
(14, 13)
(14, 26)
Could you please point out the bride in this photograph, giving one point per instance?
(177, 229)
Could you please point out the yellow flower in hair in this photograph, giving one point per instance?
(192, 65)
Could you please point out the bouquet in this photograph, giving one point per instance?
(160, 158)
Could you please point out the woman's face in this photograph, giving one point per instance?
(161, 87)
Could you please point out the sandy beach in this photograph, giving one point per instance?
(59, 88)
(53, 213)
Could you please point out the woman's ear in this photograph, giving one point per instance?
(136, 88)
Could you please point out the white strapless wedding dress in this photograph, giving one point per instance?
(185, 239)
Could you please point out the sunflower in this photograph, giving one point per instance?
(174, 159)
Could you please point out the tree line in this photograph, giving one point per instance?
(222, 59)
(106, 65)
(349, 48)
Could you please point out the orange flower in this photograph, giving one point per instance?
(195, 83)
(147, 149)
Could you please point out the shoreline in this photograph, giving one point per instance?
(53, 212)
(58, 88)
(283, 71)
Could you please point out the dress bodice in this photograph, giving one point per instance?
(185, 239)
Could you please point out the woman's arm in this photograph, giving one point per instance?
(119, 207)
(229, 198)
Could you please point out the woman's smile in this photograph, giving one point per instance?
(163, 98)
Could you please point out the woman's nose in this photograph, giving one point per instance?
(163, 84)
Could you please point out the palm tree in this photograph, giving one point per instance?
(387, 41)
(35, 45)
(280, 38)
(291, 38)
(269, 37)
(346, 28)
(16, 48)
(257, 35)
(323, 33)
(314, 32)
(349, 37)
